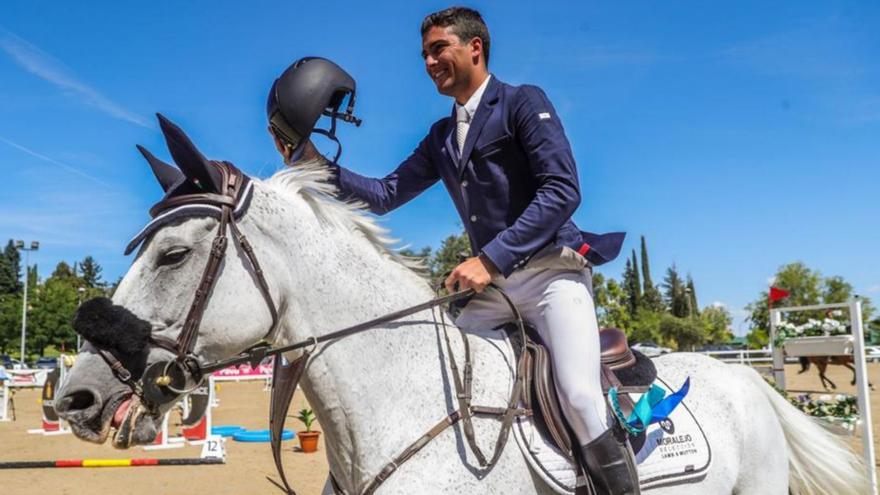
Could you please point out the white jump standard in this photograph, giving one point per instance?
(831, 346)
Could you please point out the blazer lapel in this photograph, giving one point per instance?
(449, 146)
(484, 110)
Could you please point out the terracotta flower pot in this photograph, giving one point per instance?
(308, 441)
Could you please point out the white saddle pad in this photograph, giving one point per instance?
(675, 451)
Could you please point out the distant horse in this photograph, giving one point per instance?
(822, 363)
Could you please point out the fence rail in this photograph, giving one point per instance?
(763, 357)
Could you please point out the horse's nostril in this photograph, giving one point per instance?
(82, 400)
(75, 401)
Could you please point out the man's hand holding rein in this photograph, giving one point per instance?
(473, 273)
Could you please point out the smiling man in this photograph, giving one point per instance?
(507, 164)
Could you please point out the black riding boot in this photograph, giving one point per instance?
(611, 464)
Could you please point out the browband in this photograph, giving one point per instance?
(163, 215)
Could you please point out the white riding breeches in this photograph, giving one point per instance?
(559, 304)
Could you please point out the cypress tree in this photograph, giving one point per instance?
(692, 294)
(646, 268)
(651, 298)
(630, 287)
(636, 280)
(675, 297)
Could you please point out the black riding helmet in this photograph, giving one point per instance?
(308, 89)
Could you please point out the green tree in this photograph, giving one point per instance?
(645, 327)
(611, 303)
(636, 284)
(632, 287)
(51, 311)
(10, 269)
(693, 307)
(716, 323)
(600, 291)
(651, 298)
(626, 285)
(10, 322)
(90, 273)
(682, 334)
(453, 250)
(674, 294)
(805, 287)
(63, 271)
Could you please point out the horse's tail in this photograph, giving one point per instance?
(818, 461)
(805, 364)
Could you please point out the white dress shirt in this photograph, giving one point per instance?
(465, 113)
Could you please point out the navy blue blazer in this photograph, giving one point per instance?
(514, 184)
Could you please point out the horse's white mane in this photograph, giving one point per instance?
(311, 181)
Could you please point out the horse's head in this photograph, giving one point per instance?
(164, 292)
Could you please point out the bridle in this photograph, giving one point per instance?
(165, 381)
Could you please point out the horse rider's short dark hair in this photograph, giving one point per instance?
(466, 24)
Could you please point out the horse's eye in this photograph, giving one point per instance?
(173, 256)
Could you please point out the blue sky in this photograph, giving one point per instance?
(736, 136)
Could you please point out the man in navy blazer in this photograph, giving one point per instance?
(514, 182)
(508, 166)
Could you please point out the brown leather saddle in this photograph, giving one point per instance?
(628, 370)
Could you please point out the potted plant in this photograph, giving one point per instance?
(308, 440)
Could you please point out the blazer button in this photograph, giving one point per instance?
(473, 218)
(464, 183)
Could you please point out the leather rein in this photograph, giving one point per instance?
(164, 381)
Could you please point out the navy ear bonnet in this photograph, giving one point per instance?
(194, 175)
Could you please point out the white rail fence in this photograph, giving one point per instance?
(763, 357)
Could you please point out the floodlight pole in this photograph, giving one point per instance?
(35, 245)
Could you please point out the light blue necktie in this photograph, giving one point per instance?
(462, 123)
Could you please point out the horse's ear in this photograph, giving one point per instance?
(166, 174)
(194, 165)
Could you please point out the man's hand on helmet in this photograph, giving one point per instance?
(473, 273)
(286, 151)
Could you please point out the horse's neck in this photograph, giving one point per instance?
(366, 389)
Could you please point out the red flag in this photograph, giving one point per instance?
(777, 294)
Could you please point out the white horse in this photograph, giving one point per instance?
(329, 265)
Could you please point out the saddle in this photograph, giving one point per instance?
(628, 370)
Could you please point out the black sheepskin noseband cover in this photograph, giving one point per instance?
(107, 325)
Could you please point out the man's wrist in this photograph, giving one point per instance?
(487, 263)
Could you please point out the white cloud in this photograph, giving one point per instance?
(43, 65)
(65, 166)
(718, 304)
(874, 288)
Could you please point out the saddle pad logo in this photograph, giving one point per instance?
(668, 426)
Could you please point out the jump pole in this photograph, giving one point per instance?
(104, 463)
